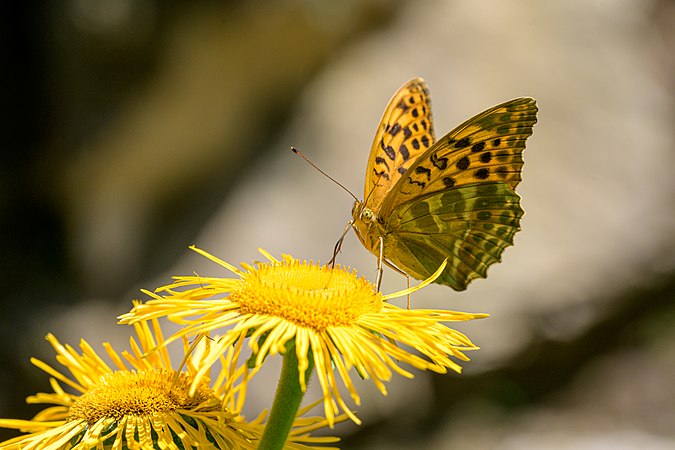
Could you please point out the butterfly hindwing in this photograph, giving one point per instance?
(470, 225)
(404, 133)
(488, 147)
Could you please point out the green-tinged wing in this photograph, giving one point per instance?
(469, 225)
(487, 147)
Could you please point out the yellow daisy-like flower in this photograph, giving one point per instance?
(143, 403)
(333, 319)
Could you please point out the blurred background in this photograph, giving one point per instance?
(137, 128)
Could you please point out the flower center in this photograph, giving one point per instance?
(306, 294)
(143, 393)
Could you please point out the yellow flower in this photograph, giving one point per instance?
(143, 403)
(331, 318)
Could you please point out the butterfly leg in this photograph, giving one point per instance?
(392, 266)
(380, 270)
(338, 244)
(407, 277)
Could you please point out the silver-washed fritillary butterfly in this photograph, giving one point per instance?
(427, 201)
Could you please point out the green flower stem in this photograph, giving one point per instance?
(286, 403)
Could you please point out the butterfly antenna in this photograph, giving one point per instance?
(377, 183)
(297, 152)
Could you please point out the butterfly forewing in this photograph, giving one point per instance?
(404, 133)
(488, 147)
(470, 225)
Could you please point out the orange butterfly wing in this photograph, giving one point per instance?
(404, 133)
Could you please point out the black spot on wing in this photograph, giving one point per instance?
(421, 184)
(463, 143)
(423, 170)
(382, 174)
(479, 147)
(439, 163)
(381, 160)
(404, 152)
(482, 173)
(389, 151)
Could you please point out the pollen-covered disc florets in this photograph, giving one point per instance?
(306, 294)
(144, 393)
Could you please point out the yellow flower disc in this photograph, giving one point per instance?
(126, 393)
(306, 294)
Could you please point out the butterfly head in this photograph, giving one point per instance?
(365, 224)
(361, 213)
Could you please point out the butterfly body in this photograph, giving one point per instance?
(426, 201)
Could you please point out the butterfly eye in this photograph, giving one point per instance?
(367, 215)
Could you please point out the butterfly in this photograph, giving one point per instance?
(426, 201)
